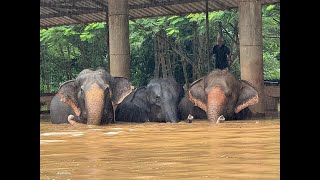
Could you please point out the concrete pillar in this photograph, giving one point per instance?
(251, 61)
(119, 38)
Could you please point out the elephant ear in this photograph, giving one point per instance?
(67, 94)
(197, 94)
(140, 98)
(248, 96)
(120, 88)
(134, 108)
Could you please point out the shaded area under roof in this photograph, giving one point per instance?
(66, 12)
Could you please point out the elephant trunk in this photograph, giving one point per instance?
(94, 101)
(216, 102)
(170, 112)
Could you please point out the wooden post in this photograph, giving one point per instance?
(251, 61)
(119, 38)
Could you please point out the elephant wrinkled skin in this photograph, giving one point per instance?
(219, 93)
(90, 98)
(157, 102)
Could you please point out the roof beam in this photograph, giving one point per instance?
(70, 13)
(68, 7)
(168, 9)
(99, 3)
(62, 1)
(221, 5)
(48, 4)
(155, 4)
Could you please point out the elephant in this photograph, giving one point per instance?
(186, 107)
(219, 93)
(90, 98)
(156, 102)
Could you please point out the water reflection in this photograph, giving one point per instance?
(199, 150)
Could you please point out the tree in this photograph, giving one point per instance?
(66, 50)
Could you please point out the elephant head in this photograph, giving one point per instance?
(163, 96)
(91, 92)
(220, 93)
(156, 102)
(120, 88)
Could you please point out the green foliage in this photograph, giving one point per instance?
(271, 66)
(142, 62)
(271, 41)
(66, 50)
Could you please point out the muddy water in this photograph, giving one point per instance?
(198, 150)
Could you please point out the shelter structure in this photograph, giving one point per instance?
(117, 14)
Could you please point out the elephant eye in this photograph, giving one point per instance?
(158, 98)
(228, 94)
(106, 90)
(81, 90)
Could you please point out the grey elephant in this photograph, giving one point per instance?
(219, 93)
(90, 98)
(156, 102)
(187, 107)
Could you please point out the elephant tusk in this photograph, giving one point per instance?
(114, 106)
(220, 119)
(71, 119)
(190, 118)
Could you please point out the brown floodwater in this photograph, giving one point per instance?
(198, 150)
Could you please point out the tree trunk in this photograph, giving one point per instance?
(185, 72)
(220, 29)
(168, 60)
(65, 61)
(84, 56)
(202, 56)
(163, 61)
(156, 57)
(45, 76)
(173, 61)
(195, 51)
(237, 42)
(69, 65)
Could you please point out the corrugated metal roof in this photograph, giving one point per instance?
(66, 12)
